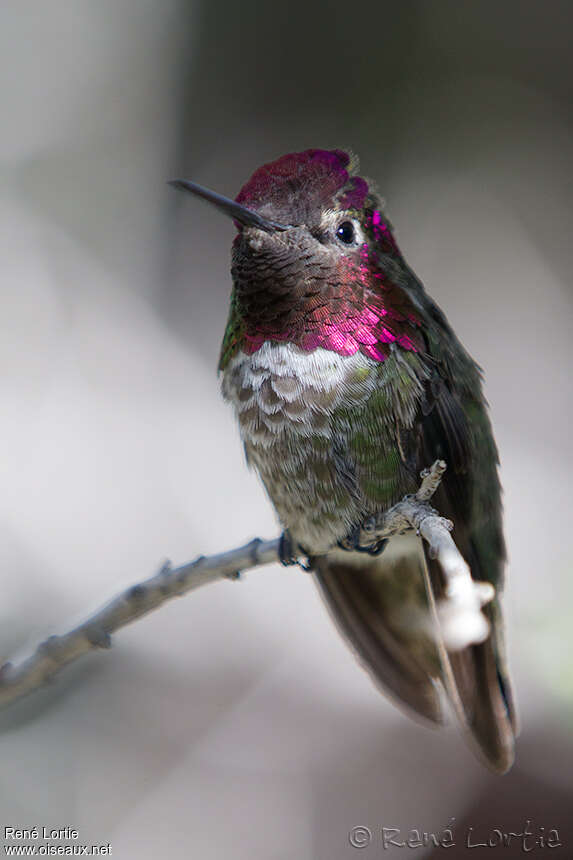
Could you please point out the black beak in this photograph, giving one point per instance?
(234, 210)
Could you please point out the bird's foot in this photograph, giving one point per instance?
(353, 543)
(292, 553)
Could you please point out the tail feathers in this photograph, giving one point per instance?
(477, 683)
(368, 599)
(366, 616)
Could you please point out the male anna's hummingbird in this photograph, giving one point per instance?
(347, 380)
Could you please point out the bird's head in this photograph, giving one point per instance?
(314, 262)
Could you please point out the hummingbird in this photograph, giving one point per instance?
(347, 380)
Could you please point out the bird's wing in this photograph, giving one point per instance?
(377, 602)
(454, 426)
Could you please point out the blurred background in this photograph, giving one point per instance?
(236, 722)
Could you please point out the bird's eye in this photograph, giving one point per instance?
(346, 232)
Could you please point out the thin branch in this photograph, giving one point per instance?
(460, 616)
(58, 651)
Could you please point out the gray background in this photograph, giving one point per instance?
(236, 722)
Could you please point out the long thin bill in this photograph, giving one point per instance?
(234, 210)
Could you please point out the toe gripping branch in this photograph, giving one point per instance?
(292, 553)
(352, 543)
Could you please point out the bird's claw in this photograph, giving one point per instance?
(291, 553)
(352, 543)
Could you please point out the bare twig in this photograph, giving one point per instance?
(460, 616)
(58, 651)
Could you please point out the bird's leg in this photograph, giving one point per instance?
(287, 549)
(291, 552)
